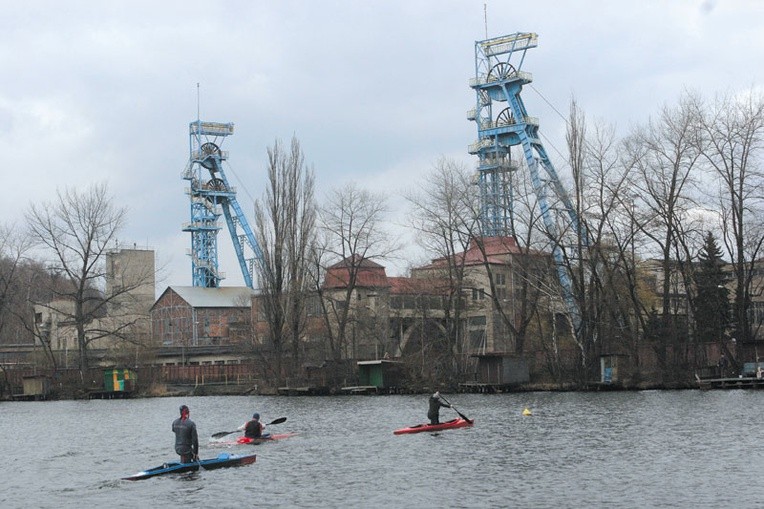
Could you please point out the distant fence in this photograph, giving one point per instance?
(93, 378)
(205, 374)
(90, 378)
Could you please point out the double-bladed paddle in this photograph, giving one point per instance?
(455, 410)
(224, 433)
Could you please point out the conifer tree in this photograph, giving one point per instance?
(712, 310)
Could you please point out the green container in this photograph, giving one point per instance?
(118, 380)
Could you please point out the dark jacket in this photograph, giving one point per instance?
(435, 404)
(253, 429)
(186, 439)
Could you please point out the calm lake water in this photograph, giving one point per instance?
(637, 449)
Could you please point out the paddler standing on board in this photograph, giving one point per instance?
(434, 412)
(186, 438)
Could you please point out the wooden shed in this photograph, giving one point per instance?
(613, 368)
(502, 369)
(382, 373)
(36, 386)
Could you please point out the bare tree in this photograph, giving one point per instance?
(14, 247)
(75, 231)
(536, 294)
(586, 336)
(525, 268)
(13, 305)
(351, 221)
(603, 276)
(663, 158)
(734, 137)
(286, 233)
(444, 213)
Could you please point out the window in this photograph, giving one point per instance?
(478, 294)
(313, 306)
(477, 340)
(476, 321)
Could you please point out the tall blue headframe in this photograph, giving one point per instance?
(211, 196)
(503, 122)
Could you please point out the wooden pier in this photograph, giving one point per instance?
(738, 382)
(477, 387)
(302, 391)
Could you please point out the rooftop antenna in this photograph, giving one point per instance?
(198, 115)
(485, 19)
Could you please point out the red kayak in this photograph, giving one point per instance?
(268, 437)
(265, 438)
(452, 424)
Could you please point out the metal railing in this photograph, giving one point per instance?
(485, 79)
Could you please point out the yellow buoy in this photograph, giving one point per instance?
(527, 412)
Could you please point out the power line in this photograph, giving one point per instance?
(549, 103)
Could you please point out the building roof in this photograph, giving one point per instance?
(369, 274)
(224, 297)
(496, 251)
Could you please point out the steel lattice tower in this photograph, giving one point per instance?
(210, 196)
(499, 79)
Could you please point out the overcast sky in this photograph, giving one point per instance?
(376, 91)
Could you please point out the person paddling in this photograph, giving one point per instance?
(433, 413)
(186, 438)
(254, 428)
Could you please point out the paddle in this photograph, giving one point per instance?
(224, 433)
(455, 410)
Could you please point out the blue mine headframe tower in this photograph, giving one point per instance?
(211, 196)
(503, 122)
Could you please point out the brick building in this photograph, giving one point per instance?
(394, 317)
(195, 325)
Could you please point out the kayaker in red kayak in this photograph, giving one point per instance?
(186, 438)
(254, 428)
(434, 412)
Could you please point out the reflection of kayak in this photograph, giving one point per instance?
(265, 438)
(223, 460)
(419, 428)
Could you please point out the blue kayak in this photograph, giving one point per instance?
(223, 460)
